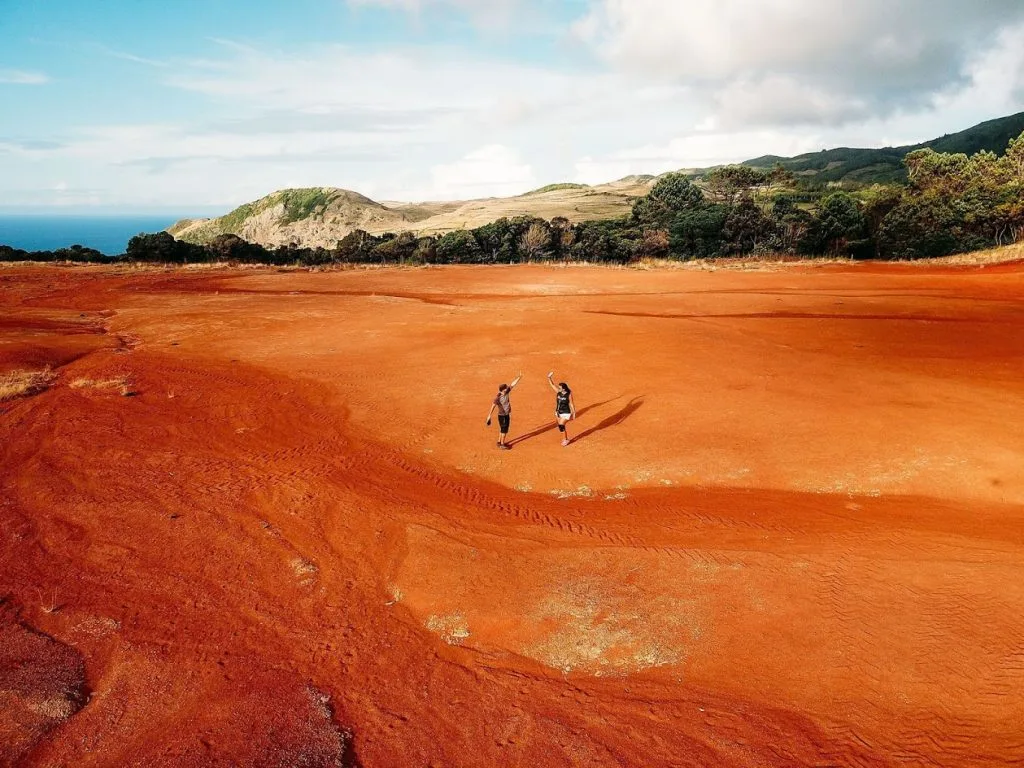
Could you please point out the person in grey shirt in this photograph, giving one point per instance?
(504, 407)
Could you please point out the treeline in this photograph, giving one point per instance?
(952, 204)
(76, 253)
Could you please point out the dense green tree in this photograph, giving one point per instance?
(601, 241)
(497, 241)
(234, 249)
(1015, 159)
(877, 202)
(746, 229)
(918, 228)
(562, 237)
(162, 248)
(458, 247)
(839, 229)
(7, 253)
(80, 254)
(393, 249)
(955, 203)
(672, 194)
(792, 225)
(728, 184)
(937, 173)
(1011, 216)
(697, 233)
(425, 251)
(355, 247)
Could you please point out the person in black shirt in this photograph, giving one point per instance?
(565, 408)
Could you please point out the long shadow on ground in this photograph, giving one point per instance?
(554, 424)
(615, 419)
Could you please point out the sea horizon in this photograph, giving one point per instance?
(106, 232)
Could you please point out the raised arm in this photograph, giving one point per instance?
(515, 381)
(551, 383)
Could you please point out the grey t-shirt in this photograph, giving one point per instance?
(503, 403)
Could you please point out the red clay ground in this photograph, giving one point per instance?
(790, 530)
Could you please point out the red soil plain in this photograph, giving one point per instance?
(257, 518)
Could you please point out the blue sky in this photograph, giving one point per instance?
(200, 106)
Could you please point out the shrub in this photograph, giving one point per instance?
(24, 383)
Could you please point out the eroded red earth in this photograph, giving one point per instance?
(789, 530)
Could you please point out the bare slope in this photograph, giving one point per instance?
(311, 217)
(789, 530)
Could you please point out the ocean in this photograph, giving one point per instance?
(107, 234)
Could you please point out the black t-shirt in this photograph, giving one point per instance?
(562, 403)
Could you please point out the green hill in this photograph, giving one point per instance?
(857, 167)
(554, 188)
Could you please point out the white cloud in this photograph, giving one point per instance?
(21, 77)
(883, 55)
(781, 99)
(389, 124)
(996, 79)
(491, 171)
(699, 149)
(124, 55)
(419, 122)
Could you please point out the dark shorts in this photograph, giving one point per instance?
(503, 422)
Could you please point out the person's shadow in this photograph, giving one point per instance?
(554, 424)
(615, 419)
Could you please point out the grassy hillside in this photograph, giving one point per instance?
(314, 216)
(555, 188)
(854, 167)
(322, 216)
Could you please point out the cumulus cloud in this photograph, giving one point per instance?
(398, 130)
(21, 77)
(780, 99)
(997, 79)
(877, 55)
(713, 85)
(395, 82)
(697, 149)
(492, 170)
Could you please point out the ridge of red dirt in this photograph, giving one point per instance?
(789, 531)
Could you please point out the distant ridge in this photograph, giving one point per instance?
(854, 167)
(321, 216)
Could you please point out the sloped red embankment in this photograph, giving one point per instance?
(257, 519)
